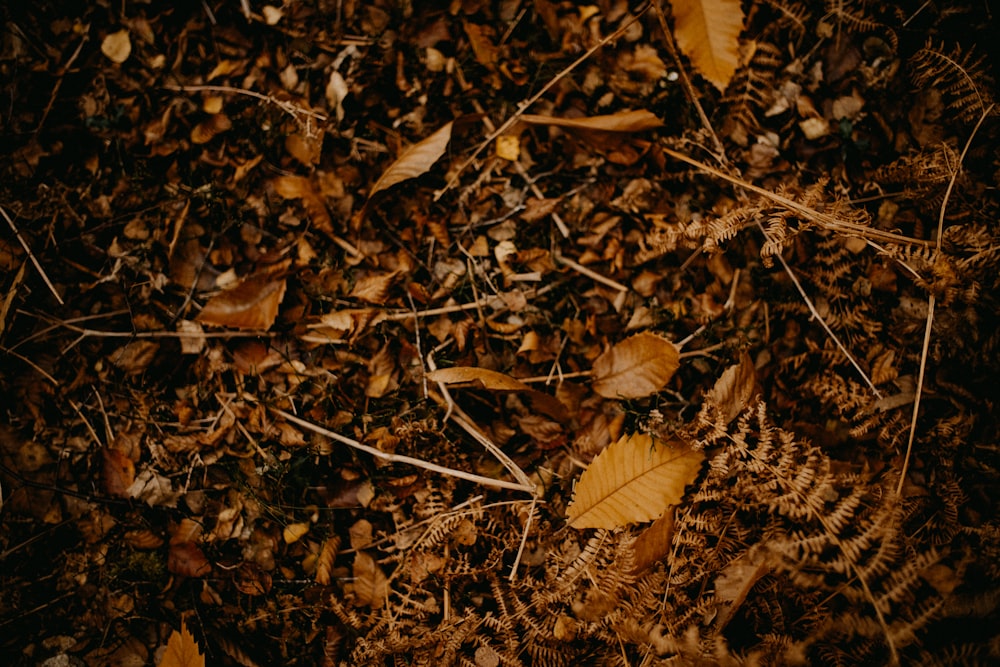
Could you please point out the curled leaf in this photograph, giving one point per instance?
(414, 161)
(482, 377)
(622, 121)
(635, 479)
(636, 367)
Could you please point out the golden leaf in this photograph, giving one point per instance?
(295, 531)
(708, 32)
(374, 288)
(734, 389)
(621, 121)
(634, 479)
(182, 650)
(370, 584)
(637, 366)
(324, 563)
(252, 304)
(414, 161)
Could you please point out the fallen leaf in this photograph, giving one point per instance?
(637, 366)
(414, 161)
(733, 390)
(186, 559)
(117, 46)
(653, 544)
(708, 32)
(251, 304)
(182, 650)
(324, 563)
(295, 531)
(374, 288)
(635, 479)
(481, 377)
(621, 121)
(370, 584)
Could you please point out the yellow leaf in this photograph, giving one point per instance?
(182, 650)
(637, 366)
(117, 46)
(634, 479)
(708, 32)
(414, 161)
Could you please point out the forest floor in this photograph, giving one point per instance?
(312, 315)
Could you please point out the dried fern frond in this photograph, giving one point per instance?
(961, 77)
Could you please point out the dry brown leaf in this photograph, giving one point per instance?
(480, 377)
(414, 161)
(708, 32)
(252, 304)
(637, 366)
(186, 559)
(653, 544)
(290, 186)
(117, 46)
(635, 479)
(622, 121)
(370, 584)
(182, 650)
(374, 288)
(733, 390)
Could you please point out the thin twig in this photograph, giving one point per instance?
(31, 256)
(593, 275)
(824, 220)
(931, 302)
(399, 458)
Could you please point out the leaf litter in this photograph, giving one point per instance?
(296, 372)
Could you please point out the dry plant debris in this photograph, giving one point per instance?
(525, 332)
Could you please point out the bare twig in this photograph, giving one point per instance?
(593, 275)
(931, 302)
(31, 255)
(398, 458)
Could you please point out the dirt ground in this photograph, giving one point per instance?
(313, 314)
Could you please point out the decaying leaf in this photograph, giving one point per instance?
(708, 33)
(635, 479)
(414, 161)
(637, 366)
(480, 377)
(252, 304)
(653, 544)
(324, 562)
(182, 650)
(117, 472)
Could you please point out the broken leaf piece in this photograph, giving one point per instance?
(117, 46)
(635, 479)
(252, 304)
(636, 367)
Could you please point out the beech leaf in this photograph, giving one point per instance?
(622, 121)
(483, 377)
(117, 46)
(734, 388)
(414, 161)
(252, 304)
(708, 32)
(182, 650)
(635, 479)
(371, 586)
(636, 367)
